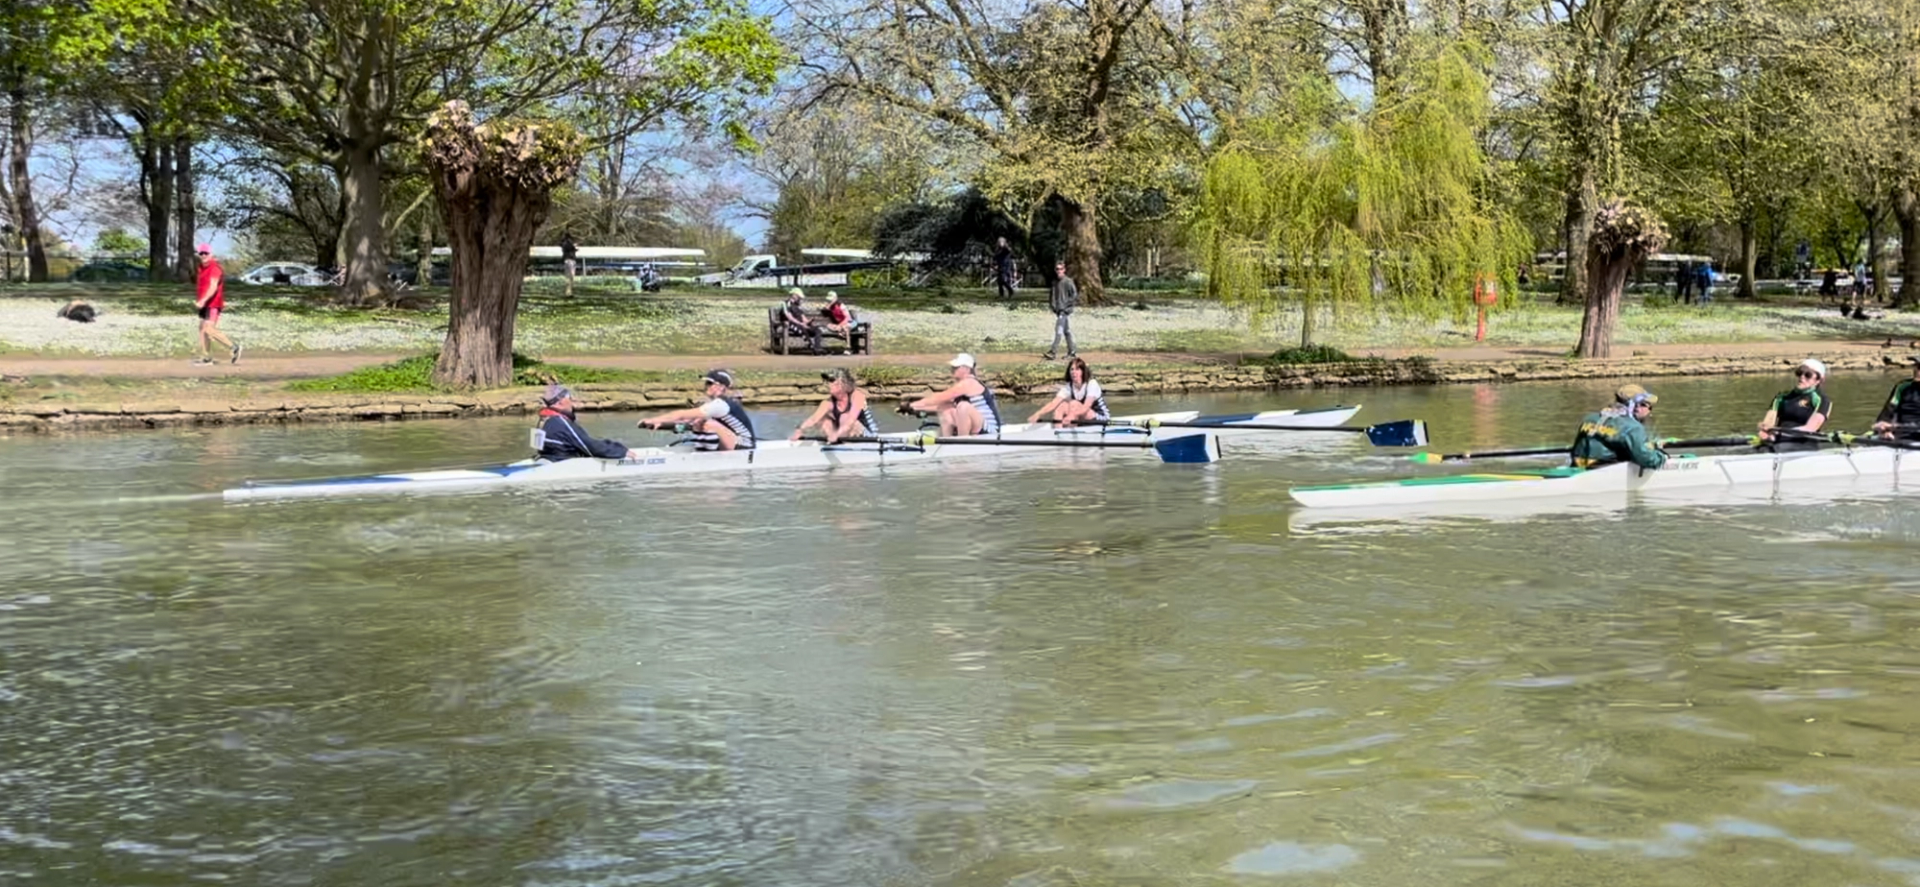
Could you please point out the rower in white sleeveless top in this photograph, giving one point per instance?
(719, 424)
(1080, 400)
(967, 406)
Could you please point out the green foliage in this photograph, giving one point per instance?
(117, 240)
(1388, 207)
(1309, 354)
(414, 375)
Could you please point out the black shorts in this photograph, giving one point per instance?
(208, 312)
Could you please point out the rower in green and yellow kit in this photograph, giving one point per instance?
(1618, 433)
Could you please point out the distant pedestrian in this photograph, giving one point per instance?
(1683, 283)
(1706, 282)
(1063, 298)
(1003, 269)
(568, 251)
(1830, 285)
(210, 299)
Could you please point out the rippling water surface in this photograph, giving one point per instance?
(1048, 670)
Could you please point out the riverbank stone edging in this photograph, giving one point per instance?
(47, 416)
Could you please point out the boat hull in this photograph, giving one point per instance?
(1748, 470)
(769, 456)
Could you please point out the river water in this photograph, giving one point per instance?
(1057, 669)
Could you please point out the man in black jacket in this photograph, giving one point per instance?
(565, 439)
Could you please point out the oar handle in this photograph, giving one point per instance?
(932, 440)
(1231, 426)
(1846, 439)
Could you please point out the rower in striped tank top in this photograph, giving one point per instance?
(844, 413)
(967, 406)
(719, 424)
(1079, 400)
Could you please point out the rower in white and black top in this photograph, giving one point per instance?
(844, 413)
(967, 406)
(719, 424)
(1080, 400)
(562, 437)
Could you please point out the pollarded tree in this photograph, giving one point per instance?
(1388, 208)
(1623, 236)
(339, 82)
(494, 182)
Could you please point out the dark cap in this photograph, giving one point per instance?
(719, 377)
(555, 393)
(1914, 360)
(838, 374)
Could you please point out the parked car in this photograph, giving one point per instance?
(286, 274)
(96, 272)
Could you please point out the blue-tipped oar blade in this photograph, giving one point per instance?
(1189, 449)
(1404, 433)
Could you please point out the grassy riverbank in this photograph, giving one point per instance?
(155, 321)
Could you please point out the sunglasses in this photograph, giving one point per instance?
(1807, 374)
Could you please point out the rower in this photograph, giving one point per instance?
(561, 435)
(1900, 417)
(844, 413)
(1080, 400)
(966, 407)
(1618, 433)
(719, 424)
(1803, 407)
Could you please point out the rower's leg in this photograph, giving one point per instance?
(1072, 411)
(728, 440)
(966, 420)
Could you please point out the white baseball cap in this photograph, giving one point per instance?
(961, 360)
(1815, 366)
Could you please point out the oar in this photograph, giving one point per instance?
(1188, 448)
(1667, 444)
(1845, 439)
(1402, 433)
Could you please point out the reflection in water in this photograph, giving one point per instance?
(1055, 669)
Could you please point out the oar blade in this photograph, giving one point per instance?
(1190, 449)
(1404, 433)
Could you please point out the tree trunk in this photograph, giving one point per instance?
(1083, 251)
(489, 236)
(1607, 278)
(156, 163)
(1906, 208)
(491, 206)
(1583, 200)
(1307, 325)
(27, 217)
(1749, 244)
(365, 235)
(188, 226)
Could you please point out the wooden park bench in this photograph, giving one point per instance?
(782, 338)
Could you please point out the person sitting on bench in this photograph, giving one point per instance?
(799, 324)
(839, 319)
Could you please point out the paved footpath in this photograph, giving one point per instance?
(287, 366)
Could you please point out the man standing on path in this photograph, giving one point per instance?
(1003, 269)
(1062, 299)
(210, 298)
(567, 253)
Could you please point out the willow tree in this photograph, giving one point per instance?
(494, 183)
(1388, 208)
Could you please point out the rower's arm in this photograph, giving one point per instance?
(677, 416)
(604, 449)
(1640, 450)
(1893, 403)
(939, 399)
(814, 419)
(1050, 407)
